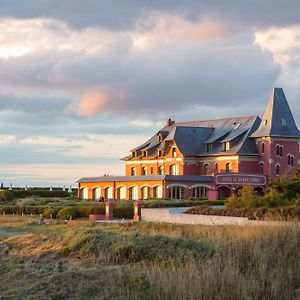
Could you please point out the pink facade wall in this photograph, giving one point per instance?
(248, 167)
(270, 157)
(192, 169)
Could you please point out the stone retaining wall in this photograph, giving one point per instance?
(164, 215)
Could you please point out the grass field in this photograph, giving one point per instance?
(82, 260)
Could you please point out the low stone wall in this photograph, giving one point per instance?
(166, 216)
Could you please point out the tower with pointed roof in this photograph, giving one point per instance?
(277, 137)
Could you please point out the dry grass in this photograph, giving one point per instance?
(154, 261)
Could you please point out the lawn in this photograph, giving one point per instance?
(81, 260)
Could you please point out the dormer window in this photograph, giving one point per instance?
(160, 138)
(209, 147)
(283, 122)
(226, 146)
(133, 154)
(160, 152)
(144, 153)
(237, 126)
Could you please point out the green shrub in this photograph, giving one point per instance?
(6, 195)
(123, 212)
(40, 193)
(67, 212)
(51, 212)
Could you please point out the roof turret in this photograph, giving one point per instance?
(278, 120)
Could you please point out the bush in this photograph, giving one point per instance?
(51, 212)
(123, 212)
(6, 195)
(287, 213)
(40, 193)
(67, 212)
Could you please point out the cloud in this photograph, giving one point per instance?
(127, 13)
(92, 102)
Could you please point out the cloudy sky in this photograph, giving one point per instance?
(84, 81)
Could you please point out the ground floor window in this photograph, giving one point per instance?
(121, 193)
(157, 192)
(96, 193)
(133, 193)
(108, 193)
(145, 192)
(176, 192)
(199, 192)
(84, 193)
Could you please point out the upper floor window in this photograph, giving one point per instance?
(227, 168)
(160, 170)
(216, 168)
(133, 171)
(144, 171)
(206, 169)
(151, 171)
(277, 169)
(261, 168)
(173, 170)
(160, 152)
(263, 148)
(133, 153)
(290, 160)
(144, 153)
(173, 152)
(160, 137)
(279, 150)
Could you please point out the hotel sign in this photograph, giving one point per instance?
(240, 179)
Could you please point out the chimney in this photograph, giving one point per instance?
(170, 122)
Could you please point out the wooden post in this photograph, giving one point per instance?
(137, 211)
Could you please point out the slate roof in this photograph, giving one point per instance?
(147, 178)
(192, 138)
(278, 119)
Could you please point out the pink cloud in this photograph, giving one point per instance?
(93, 102)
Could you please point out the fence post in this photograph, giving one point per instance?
(109, 215)
(137, 211)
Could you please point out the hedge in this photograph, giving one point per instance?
(185, 203)
(286, 213)
(6, 195)
(40, 193)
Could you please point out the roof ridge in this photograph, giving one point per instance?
(227, 118)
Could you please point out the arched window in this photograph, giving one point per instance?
(176, 192)
(281, 151)
(160, 170)
(173, 170)
(216, 168)
(157, 192)
(108, 193)
(145, 192)
(133, 171)
(278, 150)
(96, 193)
(206, 169)
(84, 193)
(173, 152)
(144, 171)
(289, 160)
(121, 193)
(292, 161)
(200, 192)
(227, 168)
(133, 193)
(261, 168)
(263, 148)
(277, 169)
(151, 170)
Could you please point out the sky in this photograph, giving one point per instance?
(84, 81)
